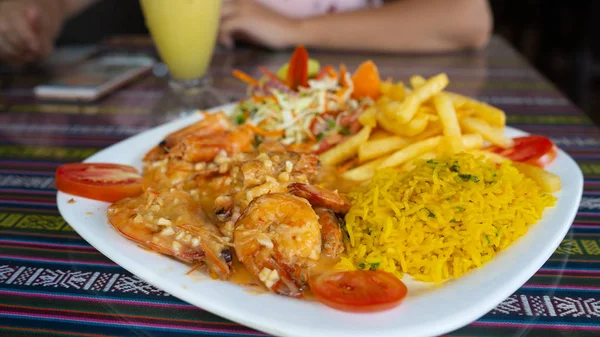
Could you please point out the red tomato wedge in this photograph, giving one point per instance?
(359, 290)
(533, 150)
(297, 74)
(104, 182)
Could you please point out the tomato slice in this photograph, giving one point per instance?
(359, 290)
(533, 150)
(98, 181)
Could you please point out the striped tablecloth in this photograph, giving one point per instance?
(53, 283)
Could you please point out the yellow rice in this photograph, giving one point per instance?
(440, 220)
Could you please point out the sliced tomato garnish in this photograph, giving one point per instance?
(533, 150)
(297, 74)
(359, 290)
(98, 181)
(270, 75)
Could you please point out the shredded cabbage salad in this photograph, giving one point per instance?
(319, 116)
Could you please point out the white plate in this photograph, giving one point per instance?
(427, 311)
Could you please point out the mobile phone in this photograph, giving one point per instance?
(95, 77)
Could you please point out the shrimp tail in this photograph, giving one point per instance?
(319, 197)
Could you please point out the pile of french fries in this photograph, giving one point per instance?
(419, 122)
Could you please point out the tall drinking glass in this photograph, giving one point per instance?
(184, 32)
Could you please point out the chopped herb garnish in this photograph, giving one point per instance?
(431, 215)
(460, 209)
(494, 175)
(447, 199)
(465, 177)
(344, 130)
(452, 221)
(240, 119)
(455, 168)
(374, 266)
(488, 239)
(491, 182)
(361, 266)
(431, 161)
(331, 124)
(320, 137)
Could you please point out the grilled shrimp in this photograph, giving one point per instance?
(171, 223)
(326, 204)
(202, 141)
(277, 238)
(320, 197)
(205, 148)
(331, 232)
(211, 124)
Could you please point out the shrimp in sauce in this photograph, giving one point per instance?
(171, 223)
(278, 239)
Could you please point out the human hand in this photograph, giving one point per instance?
(250, 20)
(28, 29)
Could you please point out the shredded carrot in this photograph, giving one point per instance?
(327, 70)
(259, 99)
(269, 74)
(332, 73)
(304, 147)
(341, 92)
(245, 77)
(266, 133)
(343, 72)
(349, 164)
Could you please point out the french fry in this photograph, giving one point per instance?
(410, 129)
(413, 150)
(385, 87)
(464, 112)
(363, 172)
(490, 114)
(427, 110)
(398, 91)
(377, 148)
(379, 134)
(491, 156)
(548, 181)
(417, 81)
(345, 150)
(411, 164)
(447, 114)
(491, 134)
(471, 141)
(368, 117)
(434, 128)
(408, 108)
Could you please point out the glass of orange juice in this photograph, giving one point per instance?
(184, 32)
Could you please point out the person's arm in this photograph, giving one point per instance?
(401, 26)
